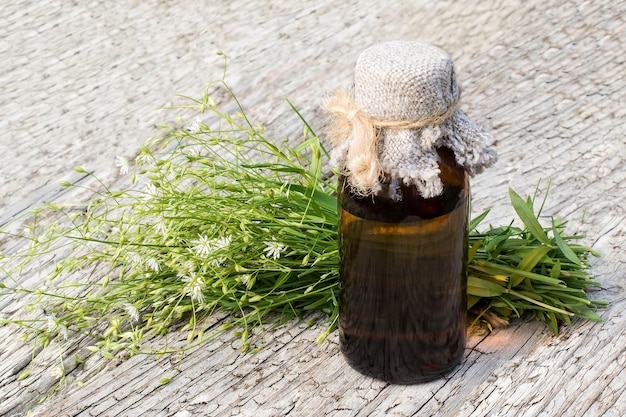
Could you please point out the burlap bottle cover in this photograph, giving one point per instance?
(405, 106)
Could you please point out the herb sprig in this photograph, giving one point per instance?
(516, 271)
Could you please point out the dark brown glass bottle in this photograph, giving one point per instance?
(403, 277)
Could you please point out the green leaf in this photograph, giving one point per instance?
(515, 281)
(106, 355)
(23, 375)
(533, 257)
(472, 300)
(587, 313)
(316, 304)
(500, 269)
(564, 247)
(472, 251)
(553, 322)
(483, 288)
(526, 214)
(495, 243)
(555, 272)
(535, 299)
(281, 280)
(476, 220)
(325, 200)
(528, 262)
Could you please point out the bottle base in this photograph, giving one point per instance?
(407, 378)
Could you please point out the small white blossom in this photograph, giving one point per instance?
(194, 150)
(144, 159)
(151, 190)
(189, 267)
(132, 312)
(194, 287)
(63, 330)
(122, 164)
(160, 226)
(202, 246)
(219, 245)
(273, 249)
(223, 242)
(195, 125)
(247, 280)
(134, 257)
(57, 372)
(53, 325)
(153, 264)
(205, 247)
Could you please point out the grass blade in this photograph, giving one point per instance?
(483, 288)
(527, 216)
(533, 257)
(478, 219)
(565, 249)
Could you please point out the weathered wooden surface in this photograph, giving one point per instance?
(81, 83)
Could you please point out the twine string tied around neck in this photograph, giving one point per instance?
(348, 122)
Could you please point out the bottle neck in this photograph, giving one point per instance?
(398, 202)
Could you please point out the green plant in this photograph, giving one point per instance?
(533, 270)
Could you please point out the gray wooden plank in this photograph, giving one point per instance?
(82, 84)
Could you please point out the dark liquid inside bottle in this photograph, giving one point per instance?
(403, 275)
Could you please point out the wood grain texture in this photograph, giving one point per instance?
(82, 82)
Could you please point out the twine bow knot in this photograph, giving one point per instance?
(348, 122)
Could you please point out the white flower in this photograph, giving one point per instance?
(153, 264)
(122, 164)
(161, 226)
(189, 267)
(194, 150)
(273, 249)
(194, 287)
(205, 247)
(202, 246)
(132, 312)
(144, 159)
(195, 125)
(134, 257)
(57, 372)
(247, 280)
(63, 330)
(220, 244)
(223, 242)
(151, 190)
(53, 325)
